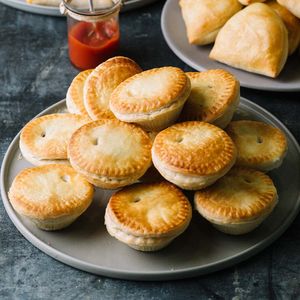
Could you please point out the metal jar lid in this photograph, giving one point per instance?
(82, 11)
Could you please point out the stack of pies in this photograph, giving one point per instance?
(121, 127)
(257, 38)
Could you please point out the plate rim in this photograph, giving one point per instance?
(143, 275)
(186, 60)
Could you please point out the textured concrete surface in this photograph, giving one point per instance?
(35, 72)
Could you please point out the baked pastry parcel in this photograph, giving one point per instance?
(238, 202)
(291, 22)
(204, 18)
(153, 99)
(255, 40)
(110, 153)
(215, 95)
(102, 81)
(193, 155)
(259, 145)
(44, 140)
(74, 97)
(51, 196)
(292, 5)
(148, 217)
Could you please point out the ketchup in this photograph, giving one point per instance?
(92, 43)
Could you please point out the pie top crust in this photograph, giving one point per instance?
(150, 91)
(75, 93)
(111, 148)
(212, 92)
(241, 195)
(101, 83)
(50, 191)
(257, 143)
(194, 147)
(150, 210)
(47, 137)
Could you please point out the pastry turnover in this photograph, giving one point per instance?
(51, 196)
(44, 140)
(193, 155)
(148, 217)
(110, 153)
(204, 18)
(292, 24)
(102, 81)
(292, 5)
(255, 40)
(238, 202)
(214, 97)
(259, 145)
(74, 98)
(153, 99)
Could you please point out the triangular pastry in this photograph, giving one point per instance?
(292, 5)
(291, 22)
(204, 18)
(255, 40)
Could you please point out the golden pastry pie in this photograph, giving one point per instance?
(153, 99)
(193, 155)
(292, 5)
(204, 18)
(51, 196)
(102, 81)
(238, 202)
(110, 153)
(44, 140)
(74, 98)
(147, 217)
(247, 2)
(214, 97)
(291, 22)
(259, 145)
(255, 40)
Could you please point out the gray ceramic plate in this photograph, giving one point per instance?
(173, 29)
(54, 11)
(201, 249)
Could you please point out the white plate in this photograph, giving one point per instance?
(54, 11)
(201, 249)
(173, 29)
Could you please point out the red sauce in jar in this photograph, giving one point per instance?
(92, 43)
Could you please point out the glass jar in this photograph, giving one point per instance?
(93, 32)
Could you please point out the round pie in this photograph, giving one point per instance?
(153, 99)
(259, 145)
(110, 153)
(51, 196)
(44, 140)
(148, 217)
(215, 95)
(193, 154)
(238, 202)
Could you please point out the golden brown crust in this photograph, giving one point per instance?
(111, 148)
(212, 93)
(204, 18)
(194, 147)
(292, 5)
(259, 145)
(101, 83)
(149, 91)
(241, 195)
(50, 191)
(157, 209)
(247, 2)
(74, 96)
(255, 40)
(47, 137)
(291, 22)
